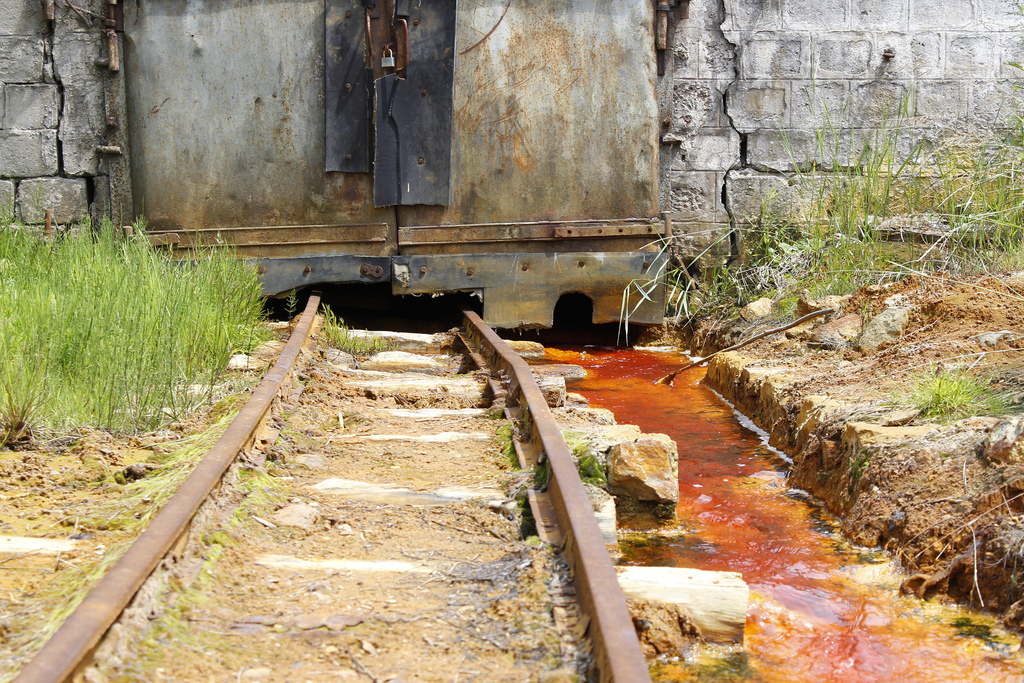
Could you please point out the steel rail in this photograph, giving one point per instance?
(619, 656)
(72, 643)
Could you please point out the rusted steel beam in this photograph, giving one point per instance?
(616, 645)
(70, 646)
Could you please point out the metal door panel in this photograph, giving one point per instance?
(226, 119)
(414, 113)
(349, 88)
(555, 114)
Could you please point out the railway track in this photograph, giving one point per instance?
(385, 550)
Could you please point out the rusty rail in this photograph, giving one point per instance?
(69, 648)
(619, 657)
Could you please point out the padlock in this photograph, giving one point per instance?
(388, 61)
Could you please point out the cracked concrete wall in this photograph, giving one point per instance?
(52, 113)
(749, 85)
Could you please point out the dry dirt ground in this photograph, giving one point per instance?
(937, 494)
(376, 539)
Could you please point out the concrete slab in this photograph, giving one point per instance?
(13, 545)
(443, 437)
(296, 564)
(396, 495)
(717, 601)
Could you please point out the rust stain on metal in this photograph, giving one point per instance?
(616, 645)
(528, 77)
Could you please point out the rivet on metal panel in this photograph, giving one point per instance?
(348, 156)
(526, 266)
(647, 264)
(423, 270)
(470, 271)
(423, 93)
(415, 22)
(262, 270)
(581, 263)
(348, 86)
(307, 270)
(348, 15)
(421, 161)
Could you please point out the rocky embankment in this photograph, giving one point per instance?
(946, 498)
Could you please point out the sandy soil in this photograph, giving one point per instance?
(371, 585)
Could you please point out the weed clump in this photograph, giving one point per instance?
(337, 335)
(954, 394)
(100, 329)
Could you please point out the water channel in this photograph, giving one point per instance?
(821, 610)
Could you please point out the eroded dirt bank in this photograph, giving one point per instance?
(944, 496)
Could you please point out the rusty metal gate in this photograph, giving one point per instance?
(507, 147)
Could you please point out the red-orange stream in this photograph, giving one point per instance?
(821, 610)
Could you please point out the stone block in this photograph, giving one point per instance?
(6, 198)
(717, 57)
(703, 244)
(710, 149)
(997, 15)
(22, 18)
(24, 154)
(646, 469)
(695, 195)
(21, 59)
(685, 52)
(877, 103)
(745, 15)
(774, 56)
(993, 101)
(66, 197)
(30, 107)
(880, 14)
(917, 56)
(787, 150)
(749, 192)
(814, 14)
(942, 103)
(861, 435)
(695, 104)
(819, 105)
(83, 120)
(1011, 51)
(941, 14)
(753, 106)
(67, 20)
(844, 55)
(972, 55)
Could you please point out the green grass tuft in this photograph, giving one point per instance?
(337, 335)
(100, 329)
(954, 394)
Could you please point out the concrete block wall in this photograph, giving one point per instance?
(749, 85)
(52, 114)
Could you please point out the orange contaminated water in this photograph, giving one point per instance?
(820, 610)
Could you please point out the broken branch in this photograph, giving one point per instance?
(668, 379)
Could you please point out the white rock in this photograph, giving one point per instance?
(300, 516)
